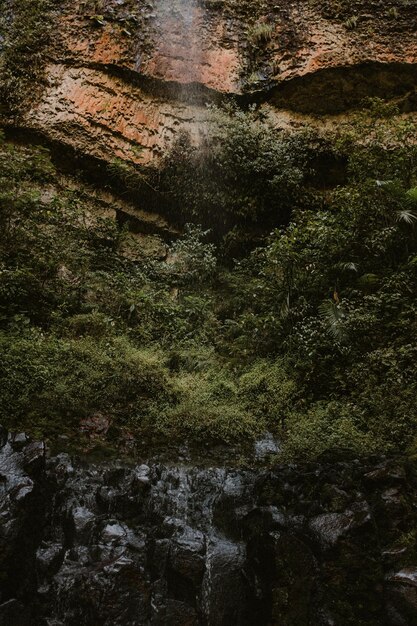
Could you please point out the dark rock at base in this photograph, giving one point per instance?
(283, 570)
(18, 441)
(224, 581)
(3, 436)
(114, 545)
(34, 457)
(13, 613)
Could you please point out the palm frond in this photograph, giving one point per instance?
(406, 216)
(347, 266)
(284, 310)
(412, 194)
(334, 316)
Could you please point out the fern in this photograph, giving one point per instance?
(412, 194)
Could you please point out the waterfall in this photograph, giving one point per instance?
(180, 26)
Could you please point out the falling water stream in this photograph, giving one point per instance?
(179, 26)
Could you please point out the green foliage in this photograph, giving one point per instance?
(76, 314)
(192, 260)
(48, 244)
(268, 392)
(258, 173)
(334, 316)
(380, 145)
(325, 427)
(333, 295)
(216, 403)
(311, 335)
(383, 390)
(209, 408)
(48, 384)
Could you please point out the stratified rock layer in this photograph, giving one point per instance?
(124, 82)
(113, 544)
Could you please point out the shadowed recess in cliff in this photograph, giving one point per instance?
(334, 90)
(106, 114)
(325, 91)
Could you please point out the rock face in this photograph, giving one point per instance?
(122, 77)
(113, 544)
(113, 83)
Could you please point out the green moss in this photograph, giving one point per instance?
(49, 384)
(27, 29)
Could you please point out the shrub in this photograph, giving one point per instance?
(384, 390)
(268, 392)
(95, 325)
(261, 33)
(48, 384)
(191, 260)
(209, 409)
(324, 428)
(258, 171)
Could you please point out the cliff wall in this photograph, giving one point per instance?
(121, 78)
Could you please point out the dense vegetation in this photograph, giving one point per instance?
(258, 172)
(309, 333)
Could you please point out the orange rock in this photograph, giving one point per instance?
(128, 81)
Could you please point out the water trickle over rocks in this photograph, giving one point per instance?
(113, 544)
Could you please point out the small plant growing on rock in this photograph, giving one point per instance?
(253, 80)
(352, 22)
(393, 13)
(261, 33)
(98, 20)
(274, 67)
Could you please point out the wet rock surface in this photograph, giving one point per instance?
(153, 544)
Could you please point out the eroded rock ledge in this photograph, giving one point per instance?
(113, 544)
(122, 78)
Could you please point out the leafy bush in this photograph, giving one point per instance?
(95, 324)
(268, 392)
(49, 384)
(326, 427)
(209, 409)
(191, 260)
(258, 173)
(383, 390)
